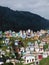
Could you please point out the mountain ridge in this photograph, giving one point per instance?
(21, 20)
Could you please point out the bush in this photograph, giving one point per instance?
(8, 63)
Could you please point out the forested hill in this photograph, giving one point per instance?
(21, 20)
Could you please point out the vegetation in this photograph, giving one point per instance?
(19, 63)
(45, 46)
(8, 63)
(21, 20)
(44, 61)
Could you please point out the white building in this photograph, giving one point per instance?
(7, 41)
(41, 50)
(20, 33)
(27, 50)
(29, 30)
(37, 49)
(1, 62)
(45, 55)
(28, 59)
(31, 48)
(22, 49)
(16, 42)
(13, 34)
(8, 60)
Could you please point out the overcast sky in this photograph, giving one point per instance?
(40, 7)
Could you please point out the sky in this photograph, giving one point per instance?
(40, 7)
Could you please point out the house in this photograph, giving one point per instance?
(13, 34)
(7, 41)
(12, 61)
(43, 31)
(3, 53)
(28, 33)
(30, 44)
(19, 33)
(43, 42)
(37, 62)
(8, 61)
(40, 57)
(27, 50)
(41, 50)
(36, 37)
(31, 48)
(16, 42)
(37, 49)
(32, 34)
(28, 59)
(7, 33)
(29, 30)
(45, 55)
(22, 50)
(7, 50)
(23, 36)
(36, 44)
(16, 34)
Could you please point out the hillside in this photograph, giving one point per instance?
(21, 20)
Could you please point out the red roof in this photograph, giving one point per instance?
(39, 57)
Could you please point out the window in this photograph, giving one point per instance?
(37, 63)
(27, 61)
(41, 49)
(32, 59)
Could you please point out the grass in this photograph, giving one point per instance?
(45, 46)
(44, 61)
